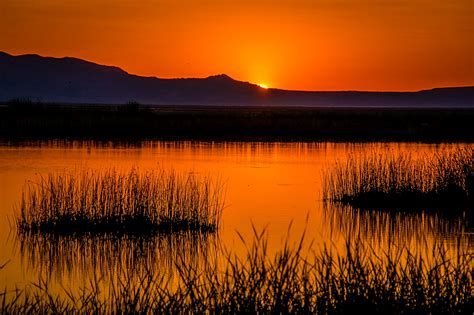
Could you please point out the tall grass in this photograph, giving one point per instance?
(357, 281)
(112, 202)
(387, 179)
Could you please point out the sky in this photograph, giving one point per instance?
(373, 45)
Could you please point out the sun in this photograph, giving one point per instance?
(263, 86)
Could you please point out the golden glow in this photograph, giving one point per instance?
(307, 44)
(263, 86)
(266, 185)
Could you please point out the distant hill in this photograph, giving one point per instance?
(72, 80)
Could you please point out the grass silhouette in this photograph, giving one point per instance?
(389, 180)
(358, 280)
(89, 202)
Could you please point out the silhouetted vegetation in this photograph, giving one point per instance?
(137, 121)
(388, 180)
(357, 281)
(131, 107)
(90, 202)
(23, 105)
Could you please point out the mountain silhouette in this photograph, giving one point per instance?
(72, 80)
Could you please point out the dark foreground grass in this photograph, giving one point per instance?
(393, 180)
(357, 281)
(89, 202)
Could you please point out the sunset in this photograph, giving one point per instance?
(236, 157)
(300, 45)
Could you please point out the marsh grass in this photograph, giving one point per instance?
(90, 202)
(358, 280)
(395, 180)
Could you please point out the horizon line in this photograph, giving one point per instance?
(222, 74)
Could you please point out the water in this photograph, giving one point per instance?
(269, 186)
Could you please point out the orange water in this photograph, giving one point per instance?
(268, 185)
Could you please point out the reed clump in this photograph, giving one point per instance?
(96, 202)
(388, 180)
(357, 281)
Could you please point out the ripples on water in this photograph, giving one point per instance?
(268, 184)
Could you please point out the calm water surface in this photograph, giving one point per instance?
(268, 185)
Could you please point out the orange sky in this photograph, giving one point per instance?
(291, 44)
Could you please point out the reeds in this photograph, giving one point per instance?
(357, 281)
(388, 180)
(89, 202)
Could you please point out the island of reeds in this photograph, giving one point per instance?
(443, 179)
(134, 202)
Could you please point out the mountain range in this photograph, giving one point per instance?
(72, 80)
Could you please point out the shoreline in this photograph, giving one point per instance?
(37, 121)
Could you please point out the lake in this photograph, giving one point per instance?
(275, 186)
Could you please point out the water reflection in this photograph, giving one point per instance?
(253, 147)
(268, 184)
(57, 257)
(381, 228)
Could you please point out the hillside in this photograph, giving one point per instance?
(72, 80)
